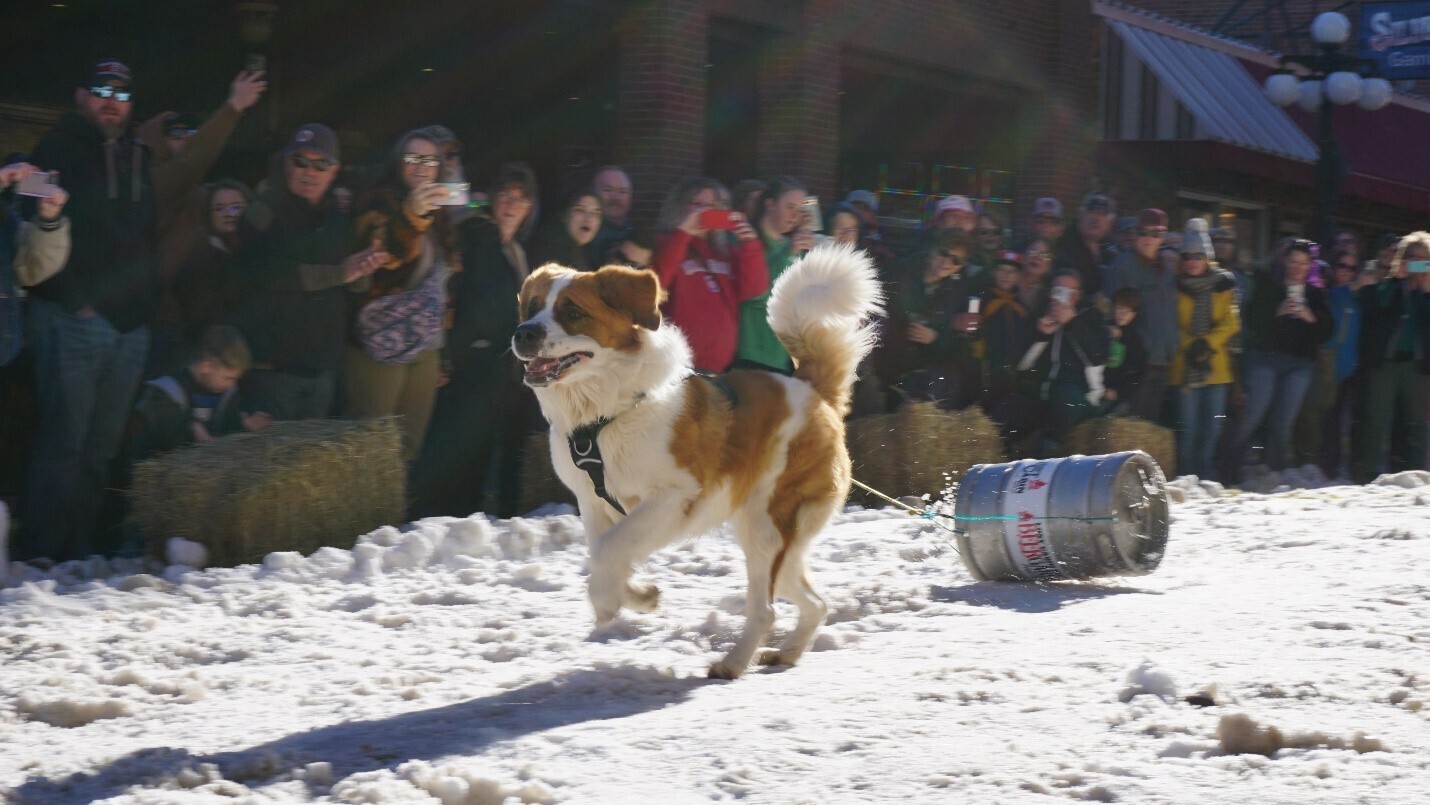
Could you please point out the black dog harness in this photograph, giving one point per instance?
(586, 452)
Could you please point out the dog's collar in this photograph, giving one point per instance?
(586, 450)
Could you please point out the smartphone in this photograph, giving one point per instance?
(1062, 295)
(39, 184)
(1417, 266)
(717, 219)
(458, 194)
(973, 304)
(255, 63)
(815, 221)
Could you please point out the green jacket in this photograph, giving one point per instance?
(757, 341)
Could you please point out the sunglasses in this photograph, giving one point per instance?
(106, 92)
(232, 209)
(319, 164)
(1041, 255)
(1047, 219)
(988, 230)
(425, 160)
(1152, 232)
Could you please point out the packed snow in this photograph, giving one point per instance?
(1278, 655)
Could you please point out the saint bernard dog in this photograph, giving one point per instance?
(655, 452)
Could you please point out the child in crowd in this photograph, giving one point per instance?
(1127, 354)
(197, 403)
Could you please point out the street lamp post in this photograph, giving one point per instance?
(1331, 79)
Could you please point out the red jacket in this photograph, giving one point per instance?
(704, 291)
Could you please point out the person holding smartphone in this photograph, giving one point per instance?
(391, 364)
(1287, 321)
(709, 260)
(1395, 357)
(786, 232)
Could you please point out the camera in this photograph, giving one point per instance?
(255, 63)
(815, 220)
(39, 184)
(458, 194)
(718, 219)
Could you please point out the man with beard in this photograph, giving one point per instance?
(613, 187)
(291, 274)
(1087, 249)
(90, 320)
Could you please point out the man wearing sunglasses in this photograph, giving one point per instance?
(293, 271)
(1141, 268)
(91, 319)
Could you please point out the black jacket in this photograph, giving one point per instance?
(483, 297)
(1070, 350)
(935, 307)
(114, 264)
(1269, 332)
(1382, 307)
(291, 323)
(162, 423)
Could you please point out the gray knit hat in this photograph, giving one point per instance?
(1197, 239)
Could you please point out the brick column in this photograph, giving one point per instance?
(660, 129)
(799, 104)
(1065, 129)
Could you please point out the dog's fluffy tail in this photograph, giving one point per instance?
(820, 309)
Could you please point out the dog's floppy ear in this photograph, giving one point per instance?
(633, 291)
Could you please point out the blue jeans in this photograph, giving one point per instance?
(1202, 412)
(1276, 385)
(86, 376)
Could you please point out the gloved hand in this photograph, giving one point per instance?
(1199, 355)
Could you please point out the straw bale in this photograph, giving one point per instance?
(1115, 434)
(539, 484)
(921, 449)
(295, 486)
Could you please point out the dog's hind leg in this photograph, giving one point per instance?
(793, 584)
(650, 526)
(761, 542)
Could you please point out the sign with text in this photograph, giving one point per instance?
(1396, 36)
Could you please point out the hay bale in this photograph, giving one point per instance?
(295, 486)
(1114, 434)
(921, 449)
(539, 484)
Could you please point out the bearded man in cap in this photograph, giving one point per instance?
(293, 271)
(90, 320)
(1140, 267)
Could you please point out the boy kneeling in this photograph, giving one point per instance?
(200, 401)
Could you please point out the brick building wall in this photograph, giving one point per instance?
(1043, 51)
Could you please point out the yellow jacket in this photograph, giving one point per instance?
(1226, 322)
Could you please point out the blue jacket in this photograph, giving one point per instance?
(1157, 320)
(1345, 308)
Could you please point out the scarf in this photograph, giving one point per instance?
(1200, 289)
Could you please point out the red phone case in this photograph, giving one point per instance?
(717, 219)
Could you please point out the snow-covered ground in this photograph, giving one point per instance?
(456, 663)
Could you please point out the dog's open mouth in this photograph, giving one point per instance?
(545, 371)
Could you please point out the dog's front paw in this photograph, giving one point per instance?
(642, 597)
(723, 670)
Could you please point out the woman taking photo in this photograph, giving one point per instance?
(392, 361)
(708, 265)
(481, 413)
(1287, 320)
(1207, 318)
(787, 232)
(1037, 274)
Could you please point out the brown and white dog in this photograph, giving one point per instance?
(682, 453)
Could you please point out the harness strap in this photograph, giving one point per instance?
(586, 450)
(586, 455)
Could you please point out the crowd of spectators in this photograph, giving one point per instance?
(160, 311)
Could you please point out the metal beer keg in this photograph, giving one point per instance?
(1054, 519)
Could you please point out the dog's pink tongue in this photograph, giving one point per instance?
(541, 365)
